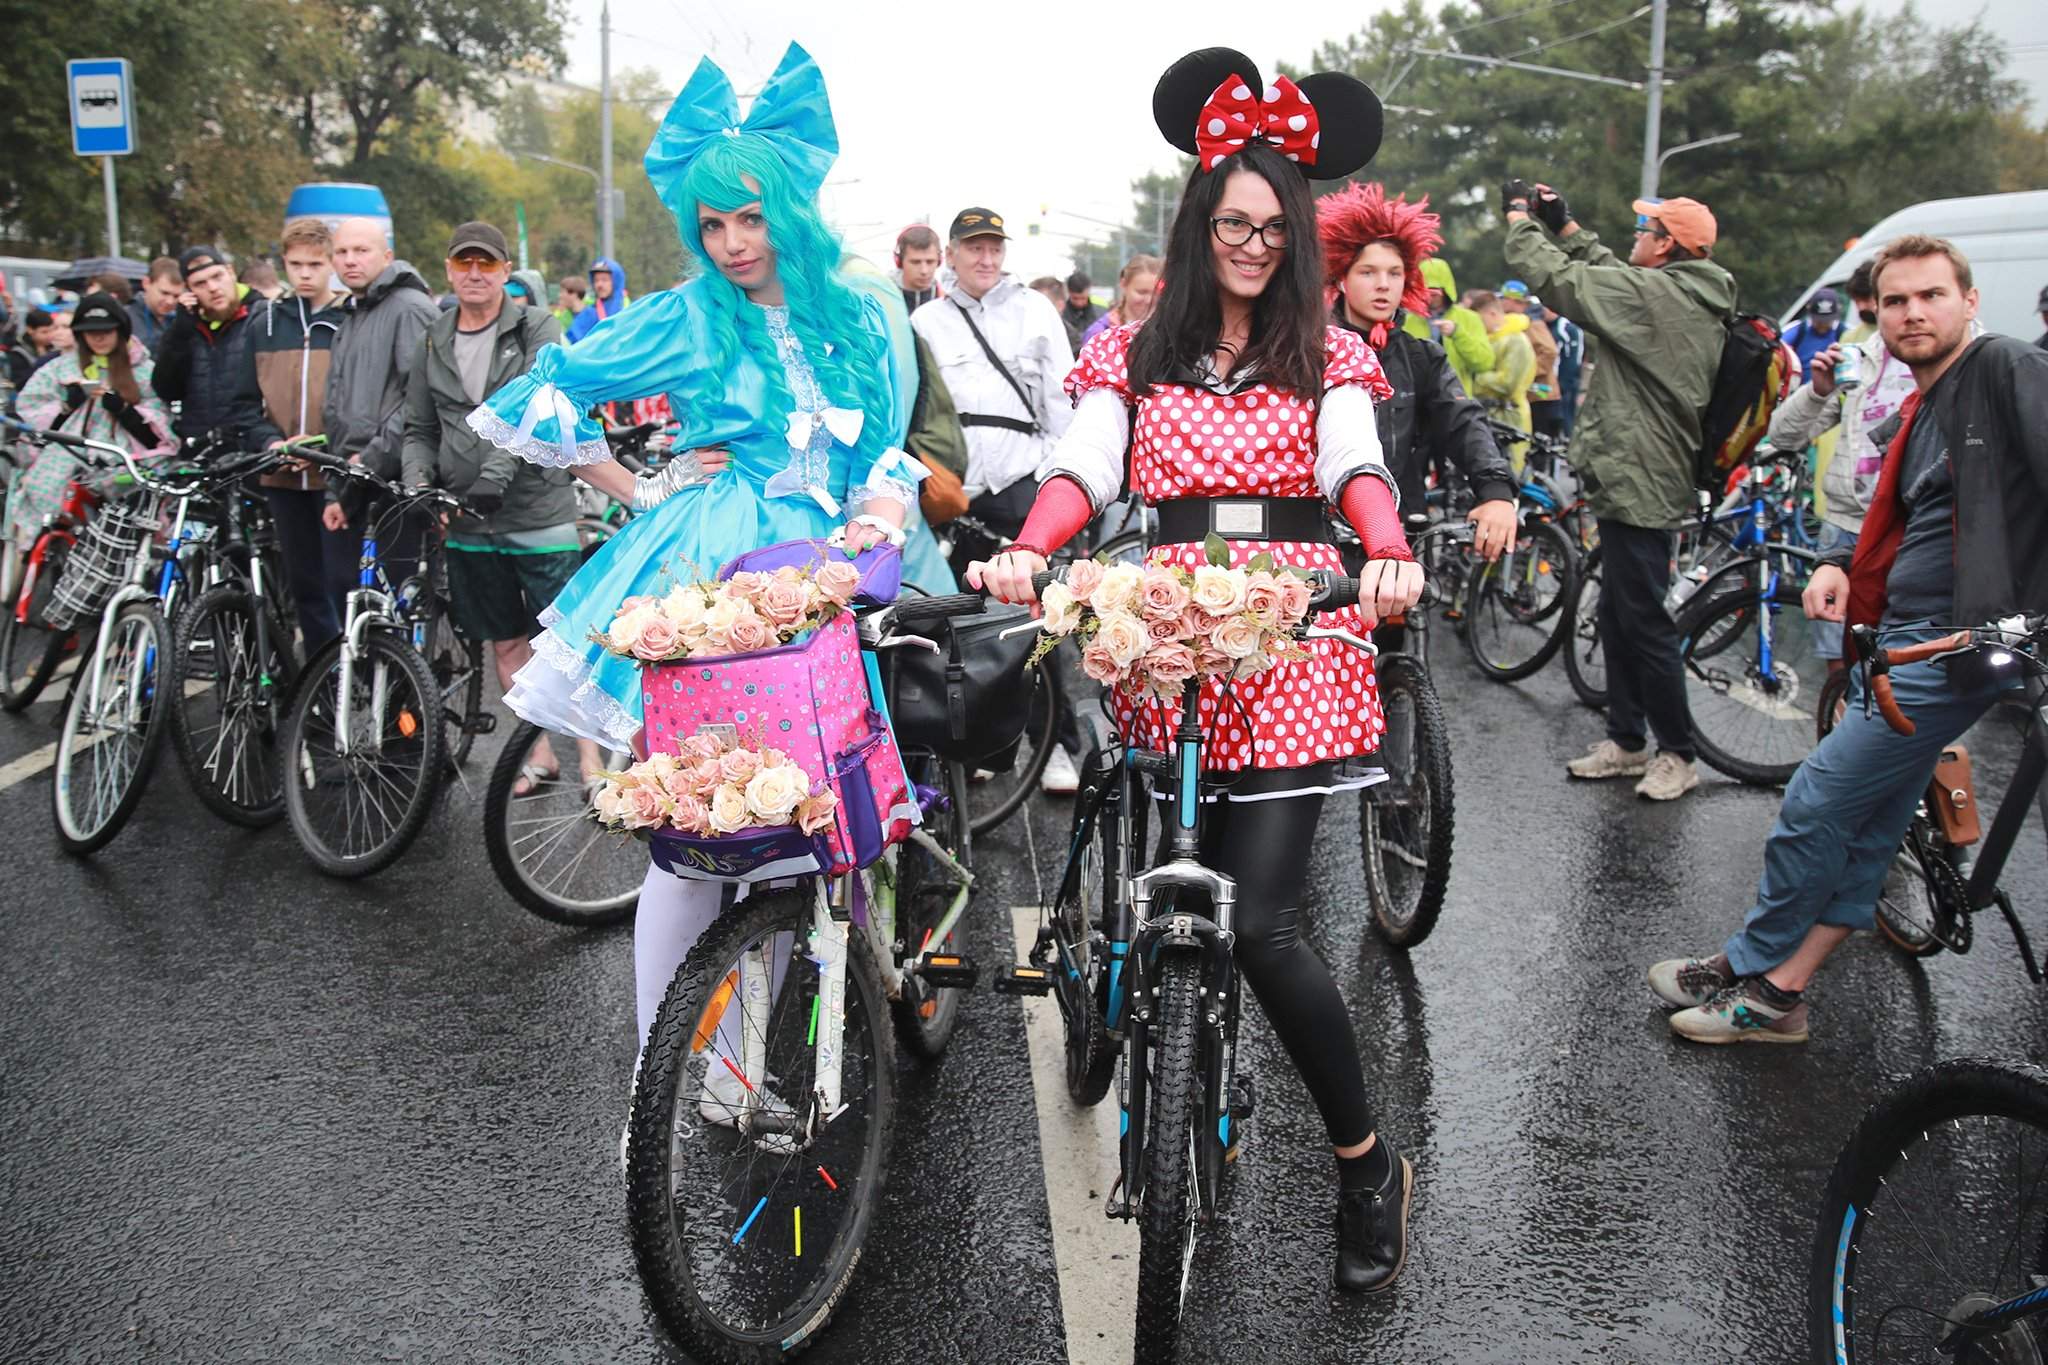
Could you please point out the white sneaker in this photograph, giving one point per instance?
(1061, 777)
(1608, 759)
(1668, 778)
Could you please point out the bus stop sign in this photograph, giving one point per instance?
(102, 107)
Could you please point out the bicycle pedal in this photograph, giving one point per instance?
(942, 970)
(482, 724)
(1023, 979)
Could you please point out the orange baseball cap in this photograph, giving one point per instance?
(1689, 222)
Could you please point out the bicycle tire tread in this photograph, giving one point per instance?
(1171, 1097)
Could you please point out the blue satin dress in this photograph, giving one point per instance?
(792, 477)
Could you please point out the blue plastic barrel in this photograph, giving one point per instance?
(333, 201)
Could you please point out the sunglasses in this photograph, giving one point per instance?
(1645, 223)
(474, 264)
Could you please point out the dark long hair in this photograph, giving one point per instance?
(1286, 346)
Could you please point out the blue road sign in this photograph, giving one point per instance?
(102, 106)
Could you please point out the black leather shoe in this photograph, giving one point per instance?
(1372, 1231)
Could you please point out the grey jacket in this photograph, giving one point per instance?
(364, 412)
(441, 450)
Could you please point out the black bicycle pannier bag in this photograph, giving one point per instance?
(972, 700)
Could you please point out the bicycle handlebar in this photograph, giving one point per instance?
(1880, 662)
(348, 469)
(1328, 591)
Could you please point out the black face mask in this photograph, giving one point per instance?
(1867, 314)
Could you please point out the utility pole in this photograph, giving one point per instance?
(1653, 121)
(113, 206)
(604, 124)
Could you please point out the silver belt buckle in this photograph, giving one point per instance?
(1244, 518)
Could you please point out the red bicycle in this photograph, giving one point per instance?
(31, 643)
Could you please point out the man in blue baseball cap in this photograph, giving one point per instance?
(1818, 330)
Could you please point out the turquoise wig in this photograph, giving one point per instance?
(705, 155)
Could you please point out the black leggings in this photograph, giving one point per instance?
(1264, 847)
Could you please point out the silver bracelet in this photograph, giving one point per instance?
(651, 490)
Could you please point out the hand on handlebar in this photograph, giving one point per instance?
(1007, 576)
(1493, 527)
(1388, 587)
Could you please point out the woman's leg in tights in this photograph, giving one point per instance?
(673, 915)
(1264, 847)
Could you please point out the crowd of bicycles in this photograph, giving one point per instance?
(156, 598)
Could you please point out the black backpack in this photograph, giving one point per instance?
(1757, 370)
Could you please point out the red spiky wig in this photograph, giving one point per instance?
(1359, 215)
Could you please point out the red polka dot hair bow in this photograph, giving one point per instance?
(1212, 104)
(1234, 115)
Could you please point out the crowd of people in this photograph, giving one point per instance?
(1302, 354)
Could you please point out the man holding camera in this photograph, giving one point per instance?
(1658, 321)
(199, 358)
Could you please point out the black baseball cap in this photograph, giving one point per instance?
(976, 222)
(196, 258)
(99, 313)
(479, 237)
(1825, 304)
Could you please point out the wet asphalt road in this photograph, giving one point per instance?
(250, 1114)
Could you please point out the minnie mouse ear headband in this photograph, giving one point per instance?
(1211, 104)
(791, 114)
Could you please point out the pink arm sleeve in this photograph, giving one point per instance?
(1368, 504)
(1061, 510)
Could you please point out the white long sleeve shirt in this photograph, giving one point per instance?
(1025, 331)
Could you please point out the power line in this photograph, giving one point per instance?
(1628, 18)
(1504, 18)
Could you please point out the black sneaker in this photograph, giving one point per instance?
(1243, 1100)
(1372, 1231)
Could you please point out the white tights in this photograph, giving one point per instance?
(673, 915)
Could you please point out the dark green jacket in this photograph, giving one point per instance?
(441, 450)
(1655, 336)
(935, 431)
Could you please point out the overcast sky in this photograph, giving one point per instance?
(998, 111)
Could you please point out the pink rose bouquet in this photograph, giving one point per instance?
(741, 615)
(716, 786)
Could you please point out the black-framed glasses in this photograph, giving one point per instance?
(1236, 232)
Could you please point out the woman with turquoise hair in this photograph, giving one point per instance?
(803, 375)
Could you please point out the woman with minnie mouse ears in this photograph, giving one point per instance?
(1242, 407)
(1373, 250)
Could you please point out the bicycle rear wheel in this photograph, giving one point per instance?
(113, 729)
(1168, 1216)
(1585, 663)
(546, 846)
(356, 805)
(994, 799)
(457, 663)
(1937, 1211)
(230, 707)
(749, 1205)
(1752, 722)
(30, 650)
(1405, 823)
(925, 886)
(1517, 614)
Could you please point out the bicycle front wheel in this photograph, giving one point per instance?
(113, 729)
(1751, 677)
(1517, 613)
(457, 663)
(227, 714)
(1405, 823)
(546, 846)
(30, 649)
(1935, 1222)
(1173, 1102)
(362, 760)
(749, 1201)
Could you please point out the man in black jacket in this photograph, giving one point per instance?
(200, 356)
(1953, 537)
(1373, 250)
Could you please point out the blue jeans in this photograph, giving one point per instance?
(1847, 808)
(1827, 635)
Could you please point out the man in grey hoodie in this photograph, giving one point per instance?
(389, 308)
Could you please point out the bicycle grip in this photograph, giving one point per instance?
(1888, 705)
(1920, 653)
(913, 609)
(1334, 592)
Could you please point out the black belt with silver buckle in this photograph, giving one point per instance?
(1184, 520)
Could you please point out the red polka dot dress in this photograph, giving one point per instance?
(1303, 724)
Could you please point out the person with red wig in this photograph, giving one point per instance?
(1373, 250)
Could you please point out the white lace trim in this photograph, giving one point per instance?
(502, 434)
(585, 702)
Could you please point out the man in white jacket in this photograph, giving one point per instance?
(1003, 353)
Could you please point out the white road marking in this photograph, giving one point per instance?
(38, 761)
(1097, 1258)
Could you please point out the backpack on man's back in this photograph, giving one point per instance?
(1757, 371)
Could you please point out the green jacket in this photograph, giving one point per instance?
(1466, 346)
(935, 431)
(440, 449)
(1657, 335)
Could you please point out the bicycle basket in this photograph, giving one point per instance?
(810, 699)
(102, 560)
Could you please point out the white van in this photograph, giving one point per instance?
(2004, 237)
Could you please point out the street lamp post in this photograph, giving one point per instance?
(603, 200)
(1664, 156)
(604, 132)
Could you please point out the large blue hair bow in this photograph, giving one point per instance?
(791, 114)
